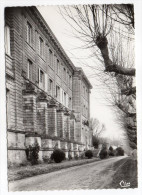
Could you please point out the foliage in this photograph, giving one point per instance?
(69, 155)
(119, 151)
(58, 155)
(32, 153)
(46, 159)
(82, 155)
(89, 154)
(103, 153)
(95, 141)
(76, 157)
(111, 151)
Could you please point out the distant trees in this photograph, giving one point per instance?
(97, 129)
(108, 30)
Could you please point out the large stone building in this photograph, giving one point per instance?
(47, 96)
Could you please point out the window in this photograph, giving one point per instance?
(64, 98)
(70, 81)
(70, 103)
(83, 90)
(64, 74)
(29, 33)
(30, 70)
(84, 110)
(41, 76)
(8, 111)
(68, 78)
(58, 93)
(40, 46)
(50, 58)
(41, 79)
(50, 87)
(57, 67)
(7, 40)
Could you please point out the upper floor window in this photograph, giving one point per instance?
(57, 67)
(68, 78)
(8, 111)
(84, 110)
(50, 87)
(30, 70)
(50, 58)
(41, 76)
(64, 74)
(65, 98)
(70, 81)
(70, 102)
(58, 93)
(41, 46)
(7, 40)
(83, 90)
(29, 33)
(41, 79)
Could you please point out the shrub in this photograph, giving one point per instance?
(82, 155)
(119, 151)
(111, 151)
(32, 153)
(76, 157)
(69, 156)
(58, 155)
(89, 154)
(46, 159)
(103, 154)
(111, 148)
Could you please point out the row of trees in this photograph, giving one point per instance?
(108, 31)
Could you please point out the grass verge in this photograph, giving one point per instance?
(17, 173)
(126, 170)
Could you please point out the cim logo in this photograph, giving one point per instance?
(124, 184)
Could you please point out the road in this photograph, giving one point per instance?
(96, 175)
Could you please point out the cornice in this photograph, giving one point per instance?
(49, 32)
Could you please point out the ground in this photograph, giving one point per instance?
(95, 175)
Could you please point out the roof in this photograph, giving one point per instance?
(84, 76)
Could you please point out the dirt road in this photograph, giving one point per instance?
(96, 175)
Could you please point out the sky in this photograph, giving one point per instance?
(99, 108)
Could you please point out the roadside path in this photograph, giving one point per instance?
(95, 175)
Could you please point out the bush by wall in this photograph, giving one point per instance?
(32, 153)
(89, 154)
(58, 155)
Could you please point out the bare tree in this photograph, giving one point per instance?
(97, 26)
(97, 129)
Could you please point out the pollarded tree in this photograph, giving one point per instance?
(102, 28)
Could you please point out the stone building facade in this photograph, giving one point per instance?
(47, 96)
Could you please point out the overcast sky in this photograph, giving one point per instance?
(98, 107)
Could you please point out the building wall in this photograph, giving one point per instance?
(32, 107)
